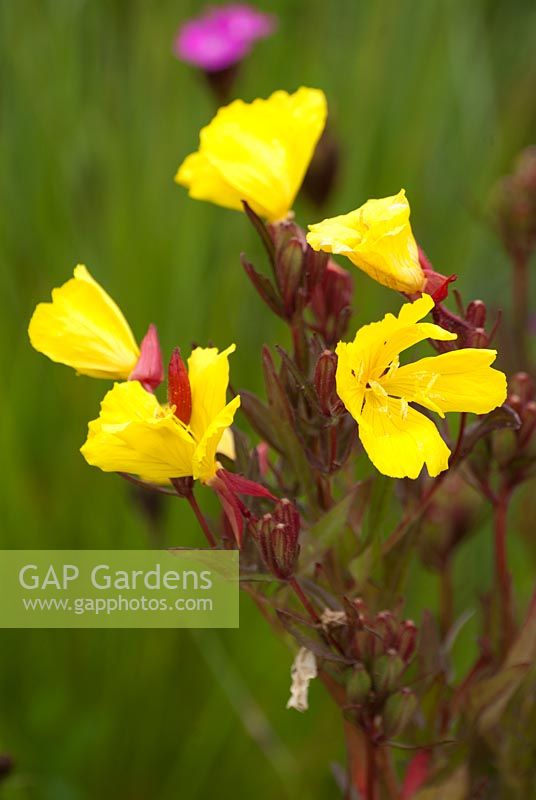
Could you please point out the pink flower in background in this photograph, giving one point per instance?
(222, 36)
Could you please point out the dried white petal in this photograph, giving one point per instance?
(333, 619)
(303, 671)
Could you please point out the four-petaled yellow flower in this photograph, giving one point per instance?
(258, 152)
(137, 435)
(84, 329)
(377, 391)
(377, 238)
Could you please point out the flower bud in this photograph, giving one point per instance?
(325, 384)
(358, 685)
(331, 302)
(398, 710)
(476, 313)
(278, 535)
(407, 640)
(387, 671)
(179, 392)
(289, 266)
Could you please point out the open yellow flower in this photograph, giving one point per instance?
(136, 434)
(84, 329)
(377, 391)
(377, 238)
(258, 152)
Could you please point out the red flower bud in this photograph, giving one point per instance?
(179, 392)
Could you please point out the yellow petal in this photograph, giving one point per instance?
(350, 389)
(134, 434)
(84, 329)
(376, 345)
(204, 460)
(227, 444)
(461, 380)
(208, 372)
(399, 440)
(258, 152)
(205, 182)
(377, 238)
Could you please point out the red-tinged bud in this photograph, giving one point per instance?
(331, 302)
(179, 391)
(437, 285)
(407, 640)
(522, 384)
(476, 313)
(149, 370)
(398, 710)
(325, 383)
(289, 270)
(479, 338)
(277, 536)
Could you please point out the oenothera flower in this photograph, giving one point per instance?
(257, 152)
(137, 435)
(377, 238)
(377, 391)
(83, 328)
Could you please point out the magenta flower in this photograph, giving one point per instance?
(222, 36)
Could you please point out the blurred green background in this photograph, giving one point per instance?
(96, 114)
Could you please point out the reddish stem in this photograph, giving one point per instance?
(371, 770)
(201, 519)
(502, 574)
(304, 600)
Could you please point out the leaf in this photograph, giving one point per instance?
(314, 645)
(264, 287)
(263, 232)
(283, 422)
(488, 699)
(499, 419)
(259, 416)
(324, 532)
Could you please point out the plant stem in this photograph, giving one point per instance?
(304, 600)
(502, 574)
(201, 519)
(371, 770)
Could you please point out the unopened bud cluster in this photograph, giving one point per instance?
(278, 539)
(381, 647)
(468, 324)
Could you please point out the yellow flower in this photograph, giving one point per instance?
(377, 238)
(258, 152)
(377, 391)
(137, 435)
(84, 329)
